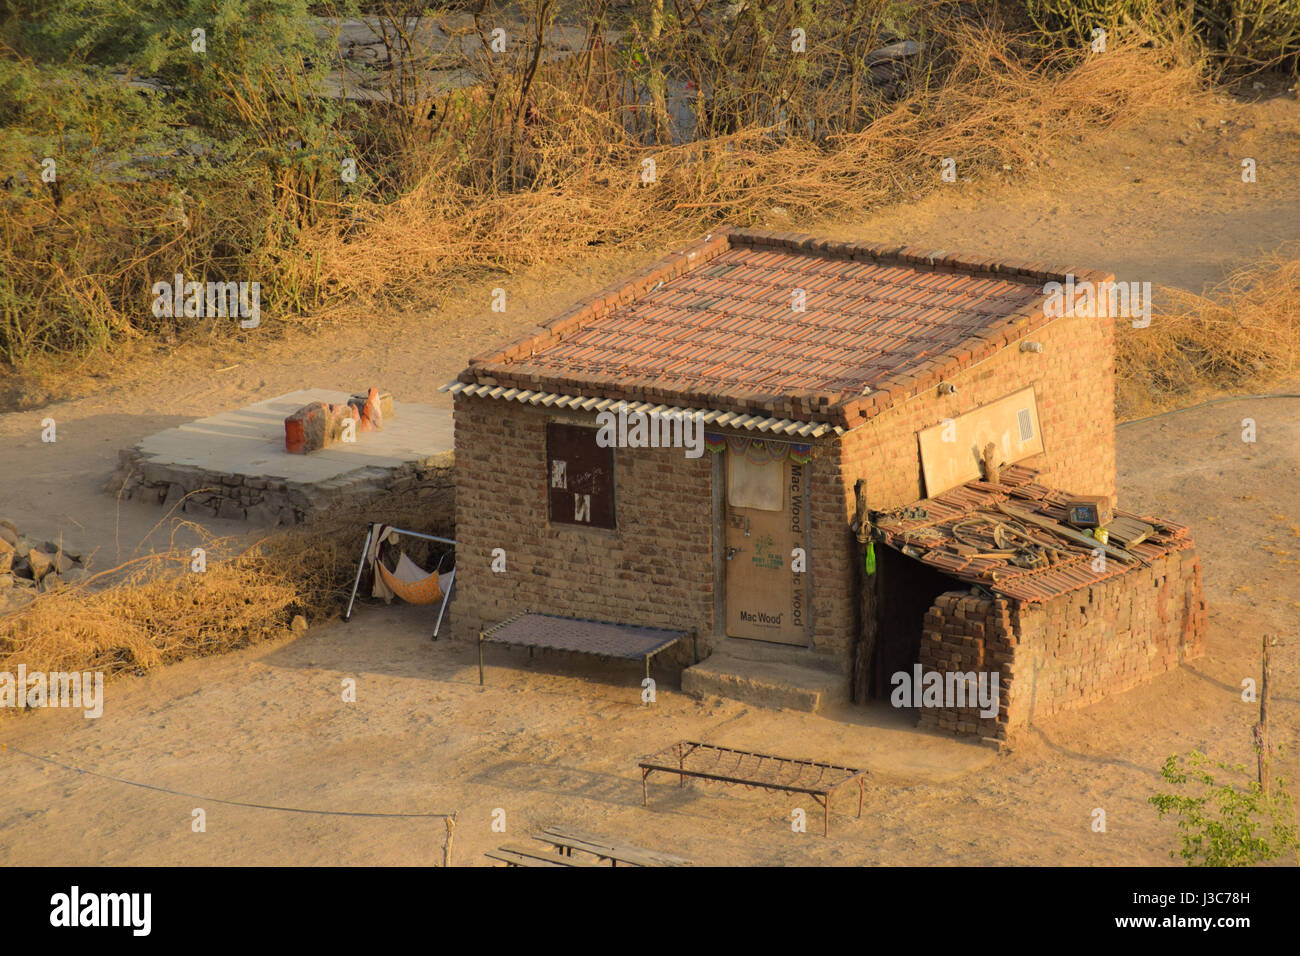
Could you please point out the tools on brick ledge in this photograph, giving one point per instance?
(1014, 538)
(1017, 535)
(1090, 511)
(1094, 515)
(1055, 527)
(319, 425)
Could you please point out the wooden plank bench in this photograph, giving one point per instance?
(690, 758)
(566, 841)
(514, 854)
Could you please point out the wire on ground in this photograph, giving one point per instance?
(229, 803)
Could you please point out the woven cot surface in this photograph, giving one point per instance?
(583, 637)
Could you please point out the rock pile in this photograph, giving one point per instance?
(29, 567)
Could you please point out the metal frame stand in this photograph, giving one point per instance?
(361, 567)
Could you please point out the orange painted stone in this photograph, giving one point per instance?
(372, 416)
(315, 426)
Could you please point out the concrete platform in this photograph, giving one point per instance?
(234, 464)
(250, 441)
(766, 683)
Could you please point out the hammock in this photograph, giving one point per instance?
(412, 583)
(409, 581)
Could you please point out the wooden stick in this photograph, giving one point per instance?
(1261, 728)
(1069, 533)
(446, 847)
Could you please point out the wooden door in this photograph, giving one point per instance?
(766, 578)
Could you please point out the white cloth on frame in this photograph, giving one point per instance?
(379, 588)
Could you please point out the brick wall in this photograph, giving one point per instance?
(1103, 640)
(834, 589)
(1073, 380)
(1074, 385)
(655, 568)
(1068, 652)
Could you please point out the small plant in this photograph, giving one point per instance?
(1226, 824)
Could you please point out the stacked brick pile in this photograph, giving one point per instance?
(966, 633)
(1073, 650)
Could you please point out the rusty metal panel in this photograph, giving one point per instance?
(579, 477)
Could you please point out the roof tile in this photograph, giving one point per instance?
(720, 330)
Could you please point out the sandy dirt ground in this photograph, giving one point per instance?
(556, 740)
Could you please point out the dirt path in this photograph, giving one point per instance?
(1162, 203)
(552, 745)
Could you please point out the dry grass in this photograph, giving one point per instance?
(157, 612)
(154, 610)
(574, 179)
(1244, 335)
(991, 108)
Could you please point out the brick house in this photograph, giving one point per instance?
(830, 380)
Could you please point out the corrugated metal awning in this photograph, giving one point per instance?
(775, 427)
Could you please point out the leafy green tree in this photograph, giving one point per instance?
(197, 135)
(1222, 823)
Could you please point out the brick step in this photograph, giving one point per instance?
(766, 684)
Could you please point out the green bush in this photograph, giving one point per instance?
(1222, 823)
(210, 162)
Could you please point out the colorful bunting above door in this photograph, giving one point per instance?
(759, 451)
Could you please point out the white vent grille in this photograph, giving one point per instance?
(1026, 421)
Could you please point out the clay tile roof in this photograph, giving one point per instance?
(940, 532)
(870, 316)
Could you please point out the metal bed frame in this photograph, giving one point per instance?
(498, 634)
(766, 772)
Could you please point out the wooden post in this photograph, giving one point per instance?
(1261, 728)
(992, 462)
(865, 644)
(450, 822)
